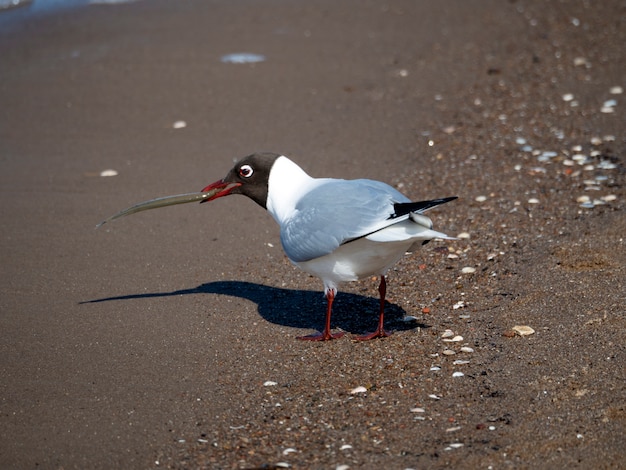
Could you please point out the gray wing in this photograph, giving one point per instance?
(335, 212)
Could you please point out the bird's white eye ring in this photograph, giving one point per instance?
(245, 171)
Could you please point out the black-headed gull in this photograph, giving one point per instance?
(338, 230)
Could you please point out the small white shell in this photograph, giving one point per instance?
(523, 330)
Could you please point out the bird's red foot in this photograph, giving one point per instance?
(325, 336)
(380, 333)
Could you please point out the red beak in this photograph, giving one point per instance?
(221, 184)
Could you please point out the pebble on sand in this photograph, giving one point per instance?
(359, 389)
(105, 173)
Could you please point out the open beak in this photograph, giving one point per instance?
(221, 188)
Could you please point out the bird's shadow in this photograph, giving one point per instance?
(295, 308)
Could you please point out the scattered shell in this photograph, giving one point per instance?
(359, 389)
(596, 141)
(453, 256)
(105, 173)
(606, 165)
(417, 410)
(616, 90)
(468, 270)
(435, 368)
(456, 445)
(463, 235)
(533, 200)
(523, 330)
(269, 383)
(580, 61)
(520, 141)
(455, 428)
(583, 199)
(467, 349)
(568, 97)
(460, 362)
(345, 447)
(289, 450)
(459, 304)
(447, 334)
(448, 352)
(342, 467)
(481, 198)
(242, 58)
(179, 125)
(609, 198)
(434, 397)
(456, 339)
(458, 374)
(610, 103)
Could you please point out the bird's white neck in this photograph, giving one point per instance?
(287, 182)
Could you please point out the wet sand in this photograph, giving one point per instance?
(154, 341)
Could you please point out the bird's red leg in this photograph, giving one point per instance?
(380, 331)
(326, 334)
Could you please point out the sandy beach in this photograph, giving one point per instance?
(167, 339)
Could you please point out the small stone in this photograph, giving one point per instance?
(456, 339)
(269, 383)
(481, 198)
(417, 410)
(520, 141)
(359, 389)
(179, 125)
(596, 141)
(607, 109)
(105, 173)
(467, 349)
(458, 374)
(345, 447)
(581, 199)
(448, 352)
(453, 256)
(289, 450)
(463, 235)
(523, 330)
(533, 200)
(609, 198)
(434, 397)
(468, 270)
(460, 362)
(616, 90)
(568, 97)
(447, 334)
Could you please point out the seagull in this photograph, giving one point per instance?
(335, 229)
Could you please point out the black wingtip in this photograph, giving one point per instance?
(403, 208)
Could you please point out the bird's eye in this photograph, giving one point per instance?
(245, 171)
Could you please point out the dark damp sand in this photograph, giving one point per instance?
(147, 343)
